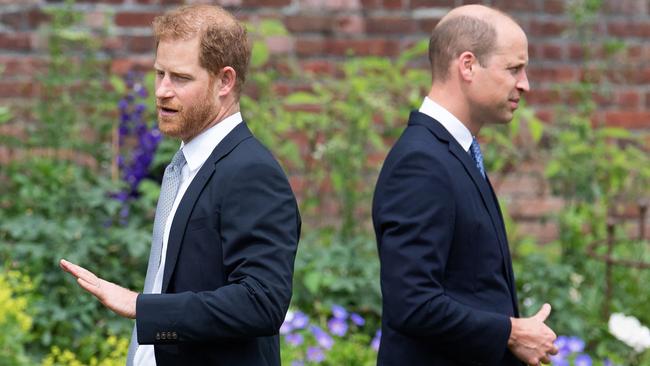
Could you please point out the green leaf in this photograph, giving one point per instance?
(118, 84)
(260, 54)
(536, 128)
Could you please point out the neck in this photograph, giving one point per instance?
(452, 99)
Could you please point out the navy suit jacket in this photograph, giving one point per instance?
(229, 264)
(446, 274)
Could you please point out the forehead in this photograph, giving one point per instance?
(512, 45)
(178, 55)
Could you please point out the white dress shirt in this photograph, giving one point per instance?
(452, 124)
(196, 153)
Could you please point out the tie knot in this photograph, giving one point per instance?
(178, 160)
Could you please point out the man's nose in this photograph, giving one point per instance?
(522, 83)
(164, 88)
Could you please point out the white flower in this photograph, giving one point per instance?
(630, 331)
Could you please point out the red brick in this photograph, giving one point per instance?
(308, 23)
(371, 4)
(552, 52)
(626, 7)
(545, 114)
(427, 25)
(543, 96)
(135, 19)
(319, 66)
(628, 119)
(518, 184)
(554, 6)
(576, 52)
(544, 231)
(431, 3)
(628, 99)
(140, 44)
(265, 3)
(353, 24)
(17, 89)
(21, 65)
(629, 29)
(15, 41)
(122, 66)
(516, 5)
(102, 1)
(394, 4)
(559, 73)
(361, 47)
(647, 100)
(280, 44)
(546, 28)
(535, 207)
(390, 25)
(310, 46)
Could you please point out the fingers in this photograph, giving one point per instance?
(543, 313)
(79, 272)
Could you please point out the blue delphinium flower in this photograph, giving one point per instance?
(324, 340)
(575, 345)
(315, 354)
(297, 363)
(337, 326)
(376, 341)
(295, 339)
(300, 320)
(357, 319)
(339, 312)
(583, 360)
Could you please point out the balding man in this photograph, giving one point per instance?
(218, 283)
(446, 273)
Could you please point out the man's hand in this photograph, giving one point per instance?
(120, 300)
(531, 340)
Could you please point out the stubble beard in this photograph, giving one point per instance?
(188, 122)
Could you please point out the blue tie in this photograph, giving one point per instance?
(475, 151)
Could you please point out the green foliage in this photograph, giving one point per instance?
(106, 352)
(55, 210)
(52, 208)
(74, 99)
(15, 320)
(331, 271)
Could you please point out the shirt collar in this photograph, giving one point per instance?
(199, 149)
(452, 124)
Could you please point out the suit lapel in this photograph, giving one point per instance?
(185, 207)
(483, 185)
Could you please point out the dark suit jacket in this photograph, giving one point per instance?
(229, 264)
(446, 275)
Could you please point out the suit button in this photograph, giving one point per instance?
(164, 335)
(157, 336)
(174, 335)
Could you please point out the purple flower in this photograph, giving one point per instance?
(376, 341)
(297, 363)
(575, 345)
(323, 339)
(561, 343)
(300, 320)
(315, 354)
(339, 312)
(357, 319)
(560, 362)
(294, 339)
(337, 326)
(583, 360)
(286, 327)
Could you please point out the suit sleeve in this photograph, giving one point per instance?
(414, 212)
(260, 226)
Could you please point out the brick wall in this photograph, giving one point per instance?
(322, 32)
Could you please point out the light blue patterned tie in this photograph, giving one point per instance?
(168, 190)
(475, 151)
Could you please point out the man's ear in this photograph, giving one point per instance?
(227, 79)
(466, 64)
